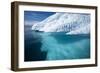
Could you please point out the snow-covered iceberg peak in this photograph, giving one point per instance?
(71, 23)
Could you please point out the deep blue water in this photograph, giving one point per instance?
(55, 46)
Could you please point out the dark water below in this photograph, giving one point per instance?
(55, 46)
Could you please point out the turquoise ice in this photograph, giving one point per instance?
(65, 46)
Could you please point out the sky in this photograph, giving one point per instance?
(36, 15)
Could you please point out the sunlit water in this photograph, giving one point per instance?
(55, 46)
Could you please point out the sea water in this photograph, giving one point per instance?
(40, 46)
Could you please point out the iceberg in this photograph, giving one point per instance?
(83, 30)
(61, 46)
(71, 23)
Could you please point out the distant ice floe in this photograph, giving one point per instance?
(71, 23)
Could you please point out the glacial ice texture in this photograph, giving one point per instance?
(71, 23)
